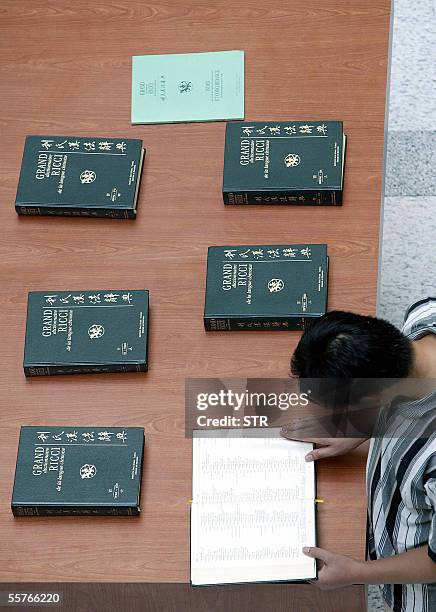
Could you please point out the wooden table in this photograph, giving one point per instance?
(65, 69)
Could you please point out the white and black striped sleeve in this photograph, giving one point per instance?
(430, 488)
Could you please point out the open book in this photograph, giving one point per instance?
(253, 508)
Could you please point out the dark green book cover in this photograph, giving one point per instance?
(63, 471)
(265, 287)
(80, 176)
(295, 162)
(81, 332)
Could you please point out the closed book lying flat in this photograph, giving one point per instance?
(184, 87)
(293, 162)
(253, 508)
(86, 332)
(79, 471)
(78, 176)
(265, 287)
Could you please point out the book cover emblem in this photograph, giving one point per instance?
(88, 176)
(291, 160)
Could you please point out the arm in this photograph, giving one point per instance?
(414, 566)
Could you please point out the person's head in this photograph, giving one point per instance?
(347, 345)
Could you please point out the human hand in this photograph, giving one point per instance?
(337, 570)
(329, 447)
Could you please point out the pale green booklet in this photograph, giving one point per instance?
(184, 87)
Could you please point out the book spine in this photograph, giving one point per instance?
(27, 511)
(58, 370)
(250, 324)
(59, 211)
(284, 198)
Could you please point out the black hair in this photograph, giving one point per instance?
(347, 345)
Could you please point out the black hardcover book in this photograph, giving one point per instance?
(272, 287)
(82, 332)
(80, 176)
(294, 162)
(64, 471)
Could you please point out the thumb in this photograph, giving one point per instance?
(317, 553)
(320, 453)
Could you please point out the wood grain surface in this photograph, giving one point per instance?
(65, 69)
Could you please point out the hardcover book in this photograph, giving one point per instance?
(82, 332)
(265, 287)
(292, 162)
(253, 509)
(79, 176)
(186, 87)
(86, 471)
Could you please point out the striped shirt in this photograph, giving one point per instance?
(401, 479)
